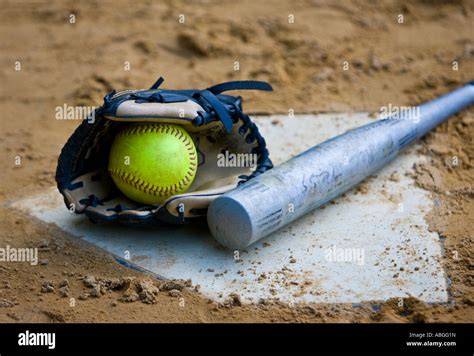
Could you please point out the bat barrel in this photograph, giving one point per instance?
(270, 201)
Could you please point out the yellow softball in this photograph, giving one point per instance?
(150, 162)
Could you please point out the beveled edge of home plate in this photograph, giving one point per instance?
(300, 262)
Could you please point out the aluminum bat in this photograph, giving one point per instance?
(281, 195)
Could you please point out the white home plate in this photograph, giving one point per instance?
(369, 245)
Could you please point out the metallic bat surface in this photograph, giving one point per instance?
(283, 194)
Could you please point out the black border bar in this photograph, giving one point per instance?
(222, 338)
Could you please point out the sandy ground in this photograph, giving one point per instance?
(78, 63)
